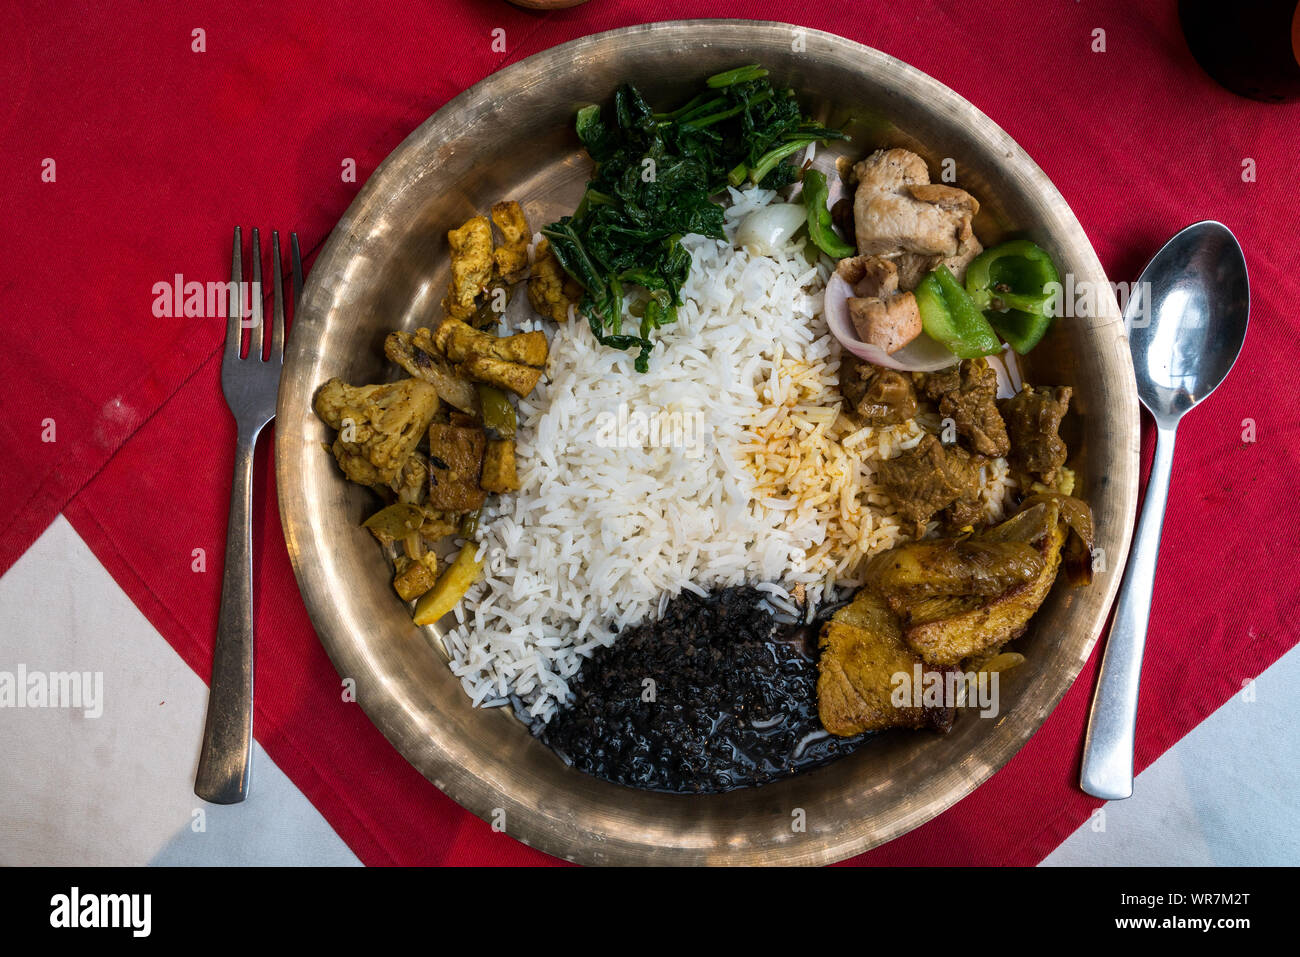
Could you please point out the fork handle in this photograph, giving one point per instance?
(228, 734)
(1107, 770)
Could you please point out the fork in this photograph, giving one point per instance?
(250, 384)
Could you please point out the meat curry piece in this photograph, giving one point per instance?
(875, 395)
(967, 394)
(965, 513)
(900, 215)
(1033, 417)
(455, 461)
(930, 477)
(862, 652)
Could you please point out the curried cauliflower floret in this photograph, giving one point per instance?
(471, 265)
(379, 425)
(421, 358)
(511, 256)
(411, 484)
(551, 290)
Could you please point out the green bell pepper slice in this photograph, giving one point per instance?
(1015, 274)
(815, 194)
(951, 318)
(1021, 330)
(498, 413)
(1016, 284)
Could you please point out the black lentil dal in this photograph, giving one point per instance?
(714, 695)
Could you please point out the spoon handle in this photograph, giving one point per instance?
(1112, 723)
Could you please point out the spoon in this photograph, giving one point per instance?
(1186, 321)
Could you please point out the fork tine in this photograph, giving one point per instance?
(255, 343)
(277, 301)
(235, 308)
(297, 272)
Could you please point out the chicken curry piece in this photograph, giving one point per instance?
(875, 395)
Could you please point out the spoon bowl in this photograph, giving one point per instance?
(1187, 321)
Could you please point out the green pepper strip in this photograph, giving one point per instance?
(498, 413)
(815, 193)
(469, 524)
(950, 317)
(1011, 282)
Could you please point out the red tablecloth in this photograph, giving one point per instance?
(133, 145)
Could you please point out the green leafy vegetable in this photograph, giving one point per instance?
(655, 179)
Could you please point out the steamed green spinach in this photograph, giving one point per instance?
(655, 179)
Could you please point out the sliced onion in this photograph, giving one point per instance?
(1008, 372)
(922, 354)
(835, 190)
(768, 230)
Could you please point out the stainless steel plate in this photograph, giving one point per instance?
(384, 268)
